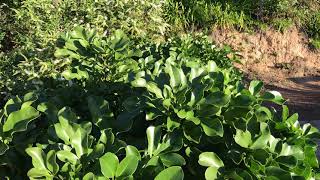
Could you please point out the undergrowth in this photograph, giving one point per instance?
(244, 15)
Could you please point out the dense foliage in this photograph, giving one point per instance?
(81, 99)
(119, 108)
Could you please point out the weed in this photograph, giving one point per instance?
(315, 43)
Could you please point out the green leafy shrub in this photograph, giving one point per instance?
(313, 28)
(122, 108)
(315, 43)
(34, 24)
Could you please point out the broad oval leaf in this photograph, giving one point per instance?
(212, 127)
(18, 120)
(243, 138)
(218, 99)
(127, 166)
(38, 173)
(210, 159)
(89, 176)
(211, 173)
(171, 173)
(177, 77)
(172, 159)
(133, 151)
(109, 164)
(67, 156)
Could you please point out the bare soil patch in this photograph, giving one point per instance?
(283, 61)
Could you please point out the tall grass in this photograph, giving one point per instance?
(244, 14)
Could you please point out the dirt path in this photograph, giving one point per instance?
(283, 61)
(305, 101)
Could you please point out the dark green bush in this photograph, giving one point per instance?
(313, 26)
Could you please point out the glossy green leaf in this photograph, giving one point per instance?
(172, 159)
(154, 161)
(65, 130)
(212, 66)
(18, 120)
(133, 151)
(59, 53)
(89, 176)
(263, 114)
(127, 166)
(153, 136)
(273, 96)
(38, 157)
(211, 173)
(171, 173)
(260, 142)
(153, 88)
(261, 156)
(210, 159)
(243, 138)
(212, 127)
(311, 157)
(51, 162)
(124, 121)
(177, 77)
(109, 164)
(67, 156)
(66, 115)
(285, 112)
(79, 142)
(218, 99)
(255, 87)
(38, 173)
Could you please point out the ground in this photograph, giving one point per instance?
(283, 61)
